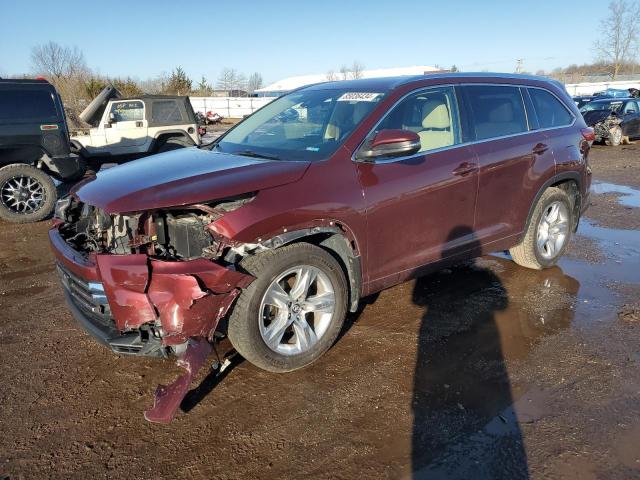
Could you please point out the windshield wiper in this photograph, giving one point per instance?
(251, 153)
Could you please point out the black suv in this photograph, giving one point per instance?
(34, 147)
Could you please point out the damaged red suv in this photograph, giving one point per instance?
(328, 194)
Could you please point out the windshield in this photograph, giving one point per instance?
(306, 125)
(612, 106)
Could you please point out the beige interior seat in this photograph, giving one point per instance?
(501, 121)
(345, 116)
(436, 125)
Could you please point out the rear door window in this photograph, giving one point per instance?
(549, 110)
(24, 104)
(496, 110)
(630, 107)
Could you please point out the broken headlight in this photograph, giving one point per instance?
(61, 208)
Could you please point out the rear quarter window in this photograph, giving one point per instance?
(496, 110)
(166, 111)
(549, 110)
(25, 104)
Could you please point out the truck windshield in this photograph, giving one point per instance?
(306, 125)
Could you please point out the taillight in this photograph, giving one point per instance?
(588, 133)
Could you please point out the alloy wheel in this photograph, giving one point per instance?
(22, 194)
(553, 230)
(296, 310)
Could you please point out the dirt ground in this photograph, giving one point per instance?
(485, 370)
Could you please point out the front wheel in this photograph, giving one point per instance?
(26, 194)
(548, 231)
(294, 310)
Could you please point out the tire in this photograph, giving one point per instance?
(82, 169)
(172, 143)
(528, 253)
(246, 328)
(20, 174)
(615, 137)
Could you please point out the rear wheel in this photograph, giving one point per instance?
(26, 194)
(548, 232)
(294, 310)
(173, 143)
(615, 137)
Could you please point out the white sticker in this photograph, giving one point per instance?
(358, 97)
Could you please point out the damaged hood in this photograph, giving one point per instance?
(183, 177)
(596, 116)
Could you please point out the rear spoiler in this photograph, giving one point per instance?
(94, 110)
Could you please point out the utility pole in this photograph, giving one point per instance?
(519, 62)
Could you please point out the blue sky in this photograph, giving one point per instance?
(144, 38)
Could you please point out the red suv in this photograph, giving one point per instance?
(328, 194)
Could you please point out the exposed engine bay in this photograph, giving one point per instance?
(170, 234)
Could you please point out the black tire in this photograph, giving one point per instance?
(173, 143)
(243, 329)
(82, 169)
(49, 195)
(526, 253)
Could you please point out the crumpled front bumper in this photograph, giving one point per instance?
(138, 305)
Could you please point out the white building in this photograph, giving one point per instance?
(287, 84)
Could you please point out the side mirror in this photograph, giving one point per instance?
(389, 143)
(112, 118)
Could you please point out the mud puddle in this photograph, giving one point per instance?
(629, 197)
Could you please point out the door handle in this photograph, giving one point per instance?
(138, 124)
(540, 148)
(465, 169)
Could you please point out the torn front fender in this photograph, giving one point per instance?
(192, 296)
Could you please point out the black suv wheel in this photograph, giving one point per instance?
(26, 194)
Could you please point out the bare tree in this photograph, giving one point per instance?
(356, 70)
(254, 83)
(57, 61)
(155, 85)
(332, 76)
(344, 72)
(230, 79)
(241, 82)
(227, 80)
(66, 69)
(618, 44)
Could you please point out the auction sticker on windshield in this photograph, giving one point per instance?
(359, 97)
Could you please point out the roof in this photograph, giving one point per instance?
(291, 83)
(154, 97)
(390, 83)
(24, 80)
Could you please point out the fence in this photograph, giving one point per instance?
(589, 88)
(229, 107)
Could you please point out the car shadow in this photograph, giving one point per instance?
(461, 379)
(479, 317)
